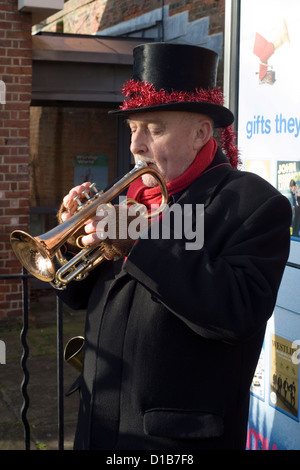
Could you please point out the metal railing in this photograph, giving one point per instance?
(293, 265)
(24, 277)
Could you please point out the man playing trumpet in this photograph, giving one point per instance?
(172, 335)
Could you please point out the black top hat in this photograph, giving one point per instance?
(175, 77)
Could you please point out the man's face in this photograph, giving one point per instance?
(166, 140)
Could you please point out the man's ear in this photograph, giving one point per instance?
(204, 132)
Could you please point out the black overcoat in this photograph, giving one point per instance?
(173, 335)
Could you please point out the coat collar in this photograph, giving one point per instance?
(201, 190)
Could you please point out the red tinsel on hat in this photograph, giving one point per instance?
(142, 94)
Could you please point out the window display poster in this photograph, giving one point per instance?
(274, 405)
(269, 97)
(93, 168)
(288, 183)
(284, 376)
(258, 383)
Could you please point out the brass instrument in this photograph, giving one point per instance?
(40, 255)
(73, 353)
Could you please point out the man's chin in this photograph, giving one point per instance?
(149, 181)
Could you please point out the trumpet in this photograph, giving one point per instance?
(42, 255)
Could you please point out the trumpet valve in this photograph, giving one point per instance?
(78, 201)
(93, 188)
(85, 193)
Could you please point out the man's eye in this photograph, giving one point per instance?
(155, 130)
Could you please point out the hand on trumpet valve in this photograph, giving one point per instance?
(72, 201)
(109, 227)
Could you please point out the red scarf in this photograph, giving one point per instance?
(147, 196)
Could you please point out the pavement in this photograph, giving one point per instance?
(42, 413)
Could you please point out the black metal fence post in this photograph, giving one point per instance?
(24, 358)
(60, 374)
(23, 363)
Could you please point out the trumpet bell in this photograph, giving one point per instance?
(32, 255)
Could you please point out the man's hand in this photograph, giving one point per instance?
(109, 227)
(69, 205)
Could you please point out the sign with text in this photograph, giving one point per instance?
(92, 168)
(269, 98)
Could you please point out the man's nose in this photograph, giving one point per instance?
(138, 143)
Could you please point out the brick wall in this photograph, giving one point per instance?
(57, 136)
(88, 17)
(95, 16)
(15, 72)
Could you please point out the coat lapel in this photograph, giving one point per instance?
(203, 188)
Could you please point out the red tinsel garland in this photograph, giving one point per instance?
(227, 142)
(143, 94)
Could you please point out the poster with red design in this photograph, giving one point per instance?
(269, 96)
